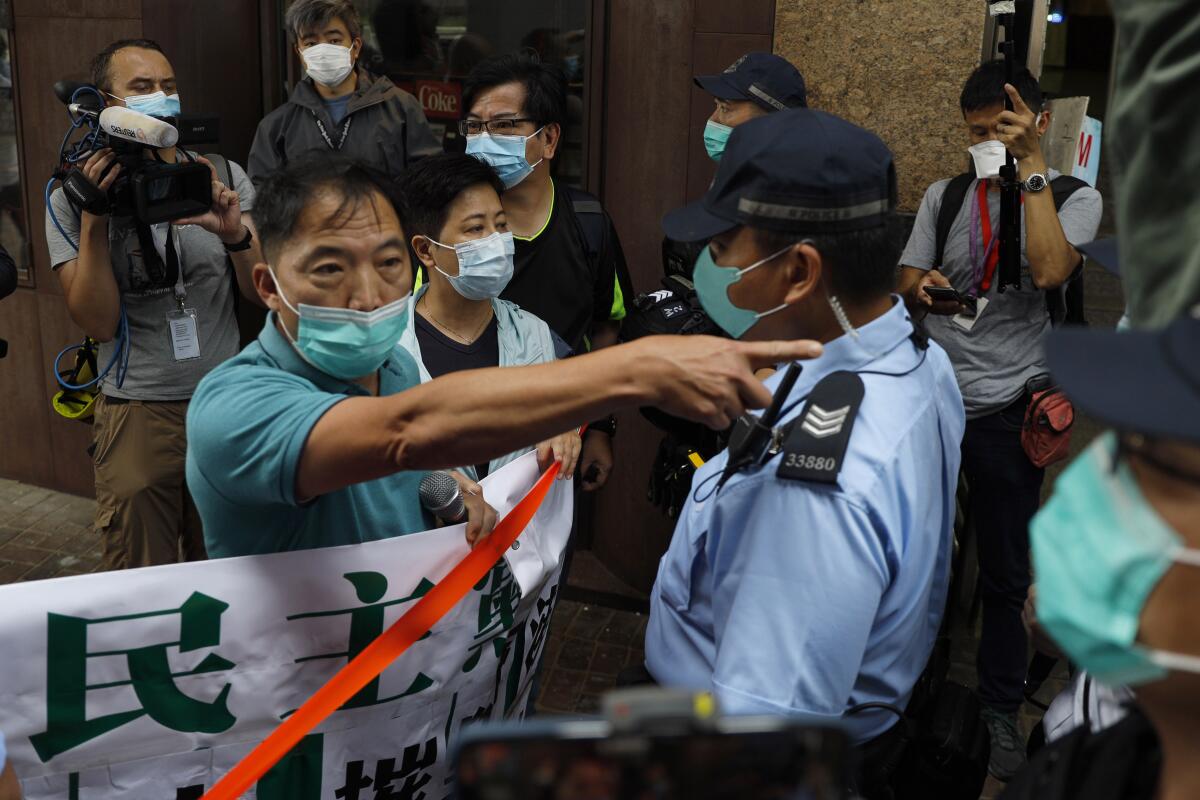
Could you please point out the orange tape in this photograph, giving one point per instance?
(387, 648)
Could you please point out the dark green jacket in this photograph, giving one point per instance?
(388, 129)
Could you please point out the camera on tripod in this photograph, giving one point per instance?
(148, 189)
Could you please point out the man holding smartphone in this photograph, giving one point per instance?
(995, 344)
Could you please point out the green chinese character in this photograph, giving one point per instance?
(67, 725)
(366, 625)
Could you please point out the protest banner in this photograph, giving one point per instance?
(154, 682)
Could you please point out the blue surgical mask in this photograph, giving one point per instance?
(485, 266)
(345, 343)
(1099, 549)
(716, 136)
(504, 154)
(712, 283)
(159, 104)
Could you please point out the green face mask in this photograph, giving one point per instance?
(712, 287)
(716, 136)
(345, 343)
(1099, 549)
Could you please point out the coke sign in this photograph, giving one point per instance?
(440, 99)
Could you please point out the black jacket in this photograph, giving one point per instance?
(1118, 763)
(388, 129)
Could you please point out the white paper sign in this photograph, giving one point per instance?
(152, 683)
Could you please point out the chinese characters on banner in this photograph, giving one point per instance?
(155, 682)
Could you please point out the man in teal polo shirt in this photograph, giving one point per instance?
(318, 433)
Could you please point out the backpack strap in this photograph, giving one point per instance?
(1065, 304)
(952, 201)
(590, 214)
(224, 171)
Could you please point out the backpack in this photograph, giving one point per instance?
(1065, 304)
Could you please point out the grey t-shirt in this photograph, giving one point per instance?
(1004, 347)
(153, 372)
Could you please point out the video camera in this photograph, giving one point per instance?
(658, 743)
(148, 189)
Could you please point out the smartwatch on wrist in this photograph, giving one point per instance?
(239, 246)
(607, 425)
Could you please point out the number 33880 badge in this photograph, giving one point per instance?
(185, 334)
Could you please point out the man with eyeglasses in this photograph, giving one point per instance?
(569, 268)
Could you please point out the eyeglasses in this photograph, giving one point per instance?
(495, 127)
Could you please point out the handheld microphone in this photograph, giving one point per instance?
(440, 496)
(137, 127)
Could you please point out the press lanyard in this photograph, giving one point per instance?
(325, 134)
(173, 263)
(983, 269)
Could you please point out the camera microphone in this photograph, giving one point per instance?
(440, 496)
(137, 127)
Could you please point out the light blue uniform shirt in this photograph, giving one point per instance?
(791, 597)
(247, 425)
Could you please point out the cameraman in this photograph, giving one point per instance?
(144, 514)
(994, 352)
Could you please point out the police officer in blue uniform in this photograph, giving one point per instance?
(808, 572)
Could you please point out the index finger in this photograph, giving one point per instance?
(768, 354)
(211, 168)
(1015, 96)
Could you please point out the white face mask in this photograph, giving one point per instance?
(327, 64)
(989, 157)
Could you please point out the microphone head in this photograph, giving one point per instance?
(135, 126)
(440, 496)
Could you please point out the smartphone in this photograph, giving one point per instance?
(946, 294)
(943, 294)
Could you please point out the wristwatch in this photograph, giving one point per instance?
(607, 425)
(244, 244)
(1035, 183)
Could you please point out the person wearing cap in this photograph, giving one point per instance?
(804, 584)
(996, 348)
(754, 85)
(1116, 554)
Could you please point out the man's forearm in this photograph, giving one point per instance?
(92, 295)
(244, 261)
(1052, 259)
(453, 420)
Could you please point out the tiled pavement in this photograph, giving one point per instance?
(44, 534)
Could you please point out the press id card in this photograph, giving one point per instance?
(185, 337)
(967, 322)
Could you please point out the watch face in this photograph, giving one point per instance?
(1036, 183)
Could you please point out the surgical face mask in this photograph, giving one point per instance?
(1099, 549)
(327, 64)
(485, 266)
(504, 154)
(712, 287)
(345, 343)
(159, 104)
(989, 157)
(716, 136)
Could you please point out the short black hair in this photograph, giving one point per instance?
(985, 88)
(103, 60)
(861, 263)
(283, 195)
(431, 185)
(312, 15)
(545, 84)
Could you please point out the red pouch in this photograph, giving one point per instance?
(1046, 430)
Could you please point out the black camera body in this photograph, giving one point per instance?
(147, 189)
